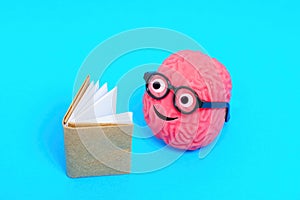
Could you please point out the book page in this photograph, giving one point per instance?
(100, 93)
(88, 95)
(98, 106)
(105, 106)
(84, 96)
(122, 118)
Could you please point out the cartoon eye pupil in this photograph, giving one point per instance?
(156, 85)
(184, 99)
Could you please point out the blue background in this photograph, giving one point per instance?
(42, 45)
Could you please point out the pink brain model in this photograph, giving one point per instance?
(209, 79)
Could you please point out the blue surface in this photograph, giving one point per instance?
(42, 45)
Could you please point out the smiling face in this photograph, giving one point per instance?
(195, 74)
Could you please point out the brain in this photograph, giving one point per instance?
(211, 82)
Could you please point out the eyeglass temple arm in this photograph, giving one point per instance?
(218, 105)
(147, 75)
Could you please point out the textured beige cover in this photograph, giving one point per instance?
(96, 149)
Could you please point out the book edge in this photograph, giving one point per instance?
(76, 100)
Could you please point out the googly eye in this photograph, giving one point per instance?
(158, 85)
(186, 100)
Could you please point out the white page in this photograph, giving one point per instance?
(75, 111)
(87, 97)
(99, 93)
(106, 105)
(122, 118)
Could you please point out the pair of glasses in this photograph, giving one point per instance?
(185, 99)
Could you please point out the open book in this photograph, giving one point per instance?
(97, 140)
(97, 106)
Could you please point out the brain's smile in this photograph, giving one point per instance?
(161, 116)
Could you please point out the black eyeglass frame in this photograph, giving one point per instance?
(199, 103)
